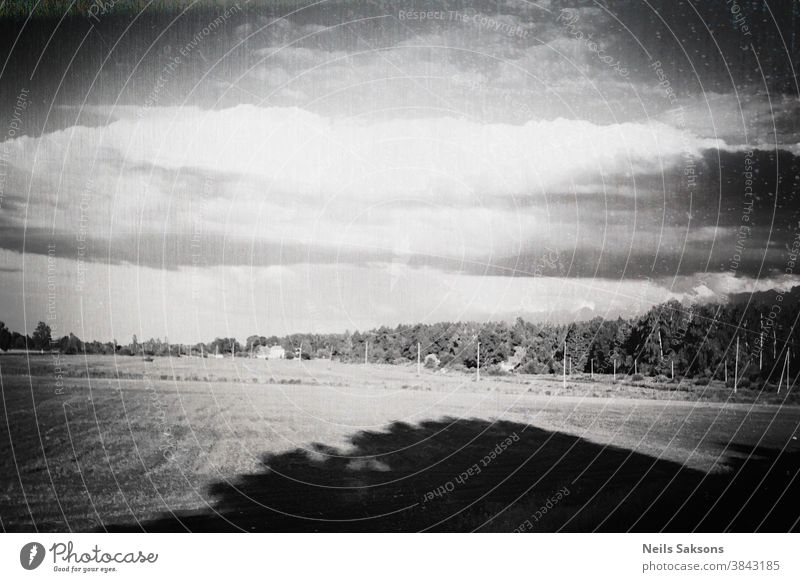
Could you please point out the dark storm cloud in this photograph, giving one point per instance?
(173, 251)
(120, 57)
(740, 216)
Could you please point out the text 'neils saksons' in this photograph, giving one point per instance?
(681, 549)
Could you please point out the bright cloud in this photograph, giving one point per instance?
(454, 186)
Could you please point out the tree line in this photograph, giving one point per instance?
(671, 339)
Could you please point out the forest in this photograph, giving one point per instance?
(671, 340)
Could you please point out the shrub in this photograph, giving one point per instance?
(532, 367)
(637, 378)
(431, 361)
(661, 379)
(754, 375)
(495, 370)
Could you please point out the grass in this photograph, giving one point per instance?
(116, 443)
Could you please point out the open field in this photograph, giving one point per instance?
(207, 444)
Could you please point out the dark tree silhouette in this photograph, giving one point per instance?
(42, 337)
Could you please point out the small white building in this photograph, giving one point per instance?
(275, 352)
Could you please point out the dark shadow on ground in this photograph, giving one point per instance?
(390, 487)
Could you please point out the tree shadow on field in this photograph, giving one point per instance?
(412, 478)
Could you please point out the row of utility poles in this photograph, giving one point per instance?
(568, 362)
(785, 370)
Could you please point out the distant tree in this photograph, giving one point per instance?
(41, 336)
(70, 345)
(19, 341)
(253, 342)
(224, 346)
(5, 337)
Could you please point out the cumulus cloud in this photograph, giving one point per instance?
(453, 185)
(300, 151)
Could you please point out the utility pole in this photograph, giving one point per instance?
(672, 368)
(366, 352)
(300, 352)
(564, 376)
(774, 342)
(726, 372)
(419, 353)
(615, 369)
(591, 368)
(478, 372)
(788, 374)
(736, 369)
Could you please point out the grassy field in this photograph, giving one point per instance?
(204, 444)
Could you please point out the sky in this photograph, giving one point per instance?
(230, 169)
